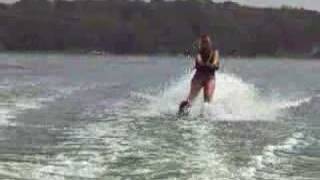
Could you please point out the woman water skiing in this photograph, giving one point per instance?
(206, 63)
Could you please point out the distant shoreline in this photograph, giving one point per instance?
(83, 52)
(140, 27)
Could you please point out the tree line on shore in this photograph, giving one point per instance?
(157, 26)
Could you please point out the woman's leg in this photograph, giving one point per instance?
(196, 85)
(208, 90)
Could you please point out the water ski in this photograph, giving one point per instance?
(184, 109)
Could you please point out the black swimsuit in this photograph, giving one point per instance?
(205, 70)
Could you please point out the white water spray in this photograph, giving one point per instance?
(234, 99)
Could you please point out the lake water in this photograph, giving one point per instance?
(113, 117)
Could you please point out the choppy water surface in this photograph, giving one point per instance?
(113, 117)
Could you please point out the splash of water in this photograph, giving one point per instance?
(234, 99)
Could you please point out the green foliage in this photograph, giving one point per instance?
(136, 26)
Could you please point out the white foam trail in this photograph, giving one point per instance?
(87, 159)
(71, 167)
(22, 96)
(233, 100)
(293, 103)
(5, 114)
(270, 159)
(206, 157)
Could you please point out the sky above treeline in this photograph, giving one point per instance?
(307, 4)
